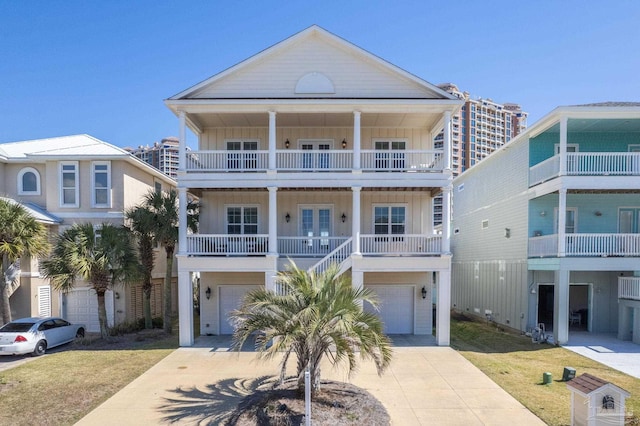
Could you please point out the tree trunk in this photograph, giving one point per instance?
(5, 305)
(166, 318)
(146, 307)
(102, 314)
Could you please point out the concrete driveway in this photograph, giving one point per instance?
(425, 385)
(607, 349)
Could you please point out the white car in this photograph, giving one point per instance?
(36, 335)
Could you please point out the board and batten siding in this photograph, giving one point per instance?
(489, 266)
(276, 75)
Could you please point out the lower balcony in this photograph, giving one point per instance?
(258, 245)
(587, 245)
(629, 288)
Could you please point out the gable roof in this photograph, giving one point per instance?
(586, 384)
(434, 92)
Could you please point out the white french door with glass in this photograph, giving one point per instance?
(241, 155)
(315, 154)
(315, 226)
(390, 155)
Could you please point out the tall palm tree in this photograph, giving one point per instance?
(103, 259)
(20, 235)
(164, 208)
(319, 315)
(141, 223)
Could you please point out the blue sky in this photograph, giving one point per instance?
(104, 68)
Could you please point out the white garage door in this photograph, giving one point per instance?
(396, 307)
(82, 308)
(231, 297)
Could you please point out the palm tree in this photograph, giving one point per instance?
(103, 259)
(141, 223)
(318, 315)
(164, 208)
(20, 235)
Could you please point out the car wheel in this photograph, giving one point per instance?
(40, 348)
(80, 333)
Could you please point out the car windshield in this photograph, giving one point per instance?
(16, 327)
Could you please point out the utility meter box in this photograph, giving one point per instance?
(596, 402)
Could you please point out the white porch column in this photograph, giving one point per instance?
(446, 140)
(272, 140)
(357, 280)
(446, 220)
(185, 308)
(182, 221)
(562, 222)
(182, 146)
(443, 306)
(561, 307)
(356, 140)
(355, 221)
(563, 146)
(273, 220)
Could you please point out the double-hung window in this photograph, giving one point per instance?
(101, 184)
(242, 220)
(389, 220)
(69, 184)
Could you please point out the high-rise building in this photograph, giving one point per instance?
(478, 129)
(162, 155)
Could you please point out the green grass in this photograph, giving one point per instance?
(517, 365)
(61, 388)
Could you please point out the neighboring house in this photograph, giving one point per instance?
(521, 263)
(76, 179)
(317, 151)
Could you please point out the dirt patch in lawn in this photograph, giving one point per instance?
(94, 342)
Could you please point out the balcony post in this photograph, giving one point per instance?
(182, 145)
(355, 230)
(563, 146)
(561, 307)
(562, 222)
(182, 221)
(356, 140)
(446, 140)
(446, 220)
(443, 307)
(185, 308)
(272, 140)
(273, 220)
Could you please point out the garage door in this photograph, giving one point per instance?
(231, 297)
(396, 307)
(82, 308)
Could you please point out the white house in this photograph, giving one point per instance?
(521, 263)
(318, 151)
(76, 179)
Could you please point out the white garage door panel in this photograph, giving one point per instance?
(82, 308)
(396, 307)
(231, 297)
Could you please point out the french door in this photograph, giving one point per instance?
(313, 157)
(390, 155)
(629, 220)
(315, 224)
(243, 155)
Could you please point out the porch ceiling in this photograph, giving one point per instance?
(577, 125)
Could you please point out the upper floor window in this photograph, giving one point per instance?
(69, 184)
(157, 186)
(389, 220)
(242, 220)
(241, 154)
(29, 181)
(101, 183)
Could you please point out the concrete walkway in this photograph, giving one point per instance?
(608, 350)
(425, 385)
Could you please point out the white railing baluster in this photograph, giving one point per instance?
(629, 288)
(583, 244)
(401, 244)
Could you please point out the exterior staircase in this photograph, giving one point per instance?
(341, 255)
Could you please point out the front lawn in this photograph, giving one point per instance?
(517, 365)
(62, 387)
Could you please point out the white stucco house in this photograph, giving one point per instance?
(76, 179)
(547, 229)
(318, 151)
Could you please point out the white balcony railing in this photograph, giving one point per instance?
(207, 244)
(294, 160)
(400, 245)
(337, 256)
(595, 245)
(629, 288)
(308, 246)
(588, 164)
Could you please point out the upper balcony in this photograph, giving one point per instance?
(585, 245)
(587, 164)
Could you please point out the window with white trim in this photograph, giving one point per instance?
(69, 185)
(389, 220)
(242, 220)
(101, 184)
(390, 154)
(241, 154)
(28, 181)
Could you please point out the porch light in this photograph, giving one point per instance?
(287, 217)
(543, 213)
(287, 144)
(424, 292)
(343, 217)
(344, 145)
(597, 213)
(208, 293)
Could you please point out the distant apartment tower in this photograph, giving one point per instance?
(162, 155)
(479, 128)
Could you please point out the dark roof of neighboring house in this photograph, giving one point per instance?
(611, 104)
(586, 383)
